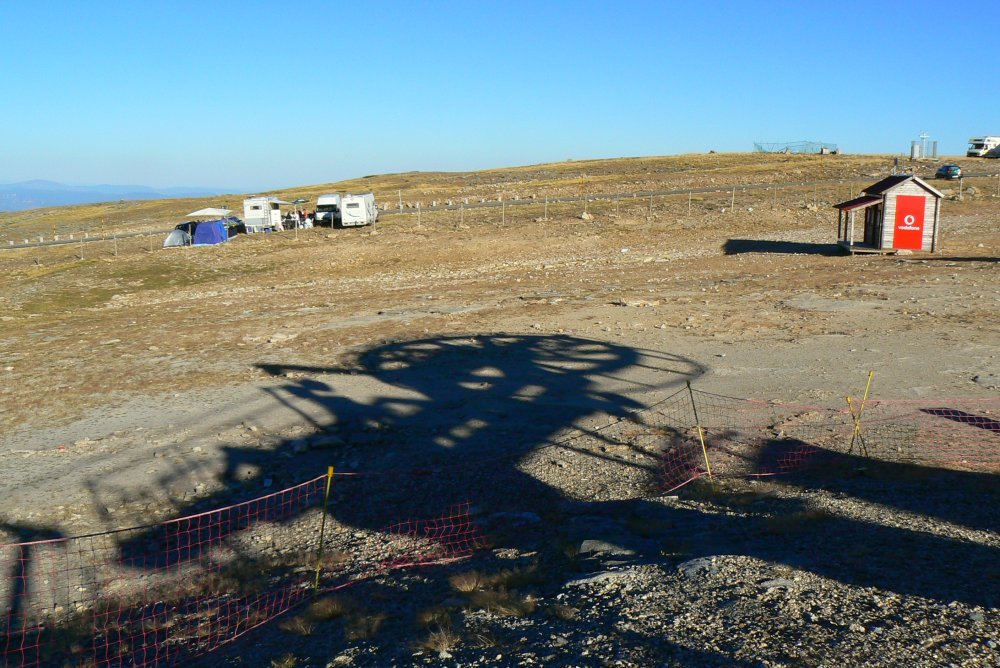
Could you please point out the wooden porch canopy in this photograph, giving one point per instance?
(849, 208)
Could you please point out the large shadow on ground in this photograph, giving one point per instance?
(739, 246)
(480, 419)
(471, 409)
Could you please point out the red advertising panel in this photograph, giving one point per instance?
(909, 222)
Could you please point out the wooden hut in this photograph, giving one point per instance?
(901, 212)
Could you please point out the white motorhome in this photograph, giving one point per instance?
(980, 146)
(261, 214)
(328, 209)
(358, 210)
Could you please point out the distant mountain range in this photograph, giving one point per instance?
(36, 194)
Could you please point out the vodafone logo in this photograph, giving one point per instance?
(909, 222)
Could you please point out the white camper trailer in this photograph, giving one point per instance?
(980, 146)
(262, 213)
(358, 210)
(328, 209)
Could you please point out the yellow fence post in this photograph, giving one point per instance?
(322, 526)
(701, 433)
(857, 437)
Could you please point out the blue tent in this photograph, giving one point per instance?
(210, 232)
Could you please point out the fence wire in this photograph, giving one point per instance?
(163, 594)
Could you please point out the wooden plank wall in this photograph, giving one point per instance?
(889, 216)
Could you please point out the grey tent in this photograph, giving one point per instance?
(177, 238)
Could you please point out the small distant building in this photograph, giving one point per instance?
(901, 212)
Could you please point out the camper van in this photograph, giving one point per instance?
(980, 146)
(328, 210)
(262, 214)
(358, 210)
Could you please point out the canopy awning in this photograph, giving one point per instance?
(858, 202)
(210, 212)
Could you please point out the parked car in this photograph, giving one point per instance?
(948, 172)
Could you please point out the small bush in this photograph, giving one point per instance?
(364, 625)
(330, 607)
(299, 625)
(286, 661)
(466, 582)
(436, 616)
(441, 639)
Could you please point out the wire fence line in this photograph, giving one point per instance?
(86, 237)
(163, 594)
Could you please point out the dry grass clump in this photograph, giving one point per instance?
(466, 582)
(497, 593)
(797, 522)
(287, 661)
(299, 625)
(440, 639)
(327, 608)
(436, 616)
(364, 625)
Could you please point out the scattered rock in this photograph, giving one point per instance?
(989, 380)
(700, 566)
(595, 547)
(606, 576)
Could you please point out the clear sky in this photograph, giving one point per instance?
(257, 95)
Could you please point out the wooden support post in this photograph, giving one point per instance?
(857, 437)
(322, 526)
(701, 432)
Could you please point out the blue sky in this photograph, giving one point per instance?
(257, 95)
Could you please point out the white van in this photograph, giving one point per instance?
(356, 210)
(328, 209)
(980, 146)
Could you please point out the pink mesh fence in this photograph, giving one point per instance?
(162, 594)
(757, 438)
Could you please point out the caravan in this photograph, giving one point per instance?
(980, 146)
(358, 210)
(262, 214)
(328, 210)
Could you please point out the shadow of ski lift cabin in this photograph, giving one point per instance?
(901, 212)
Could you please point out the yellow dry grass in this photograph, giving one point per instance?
(551, 179)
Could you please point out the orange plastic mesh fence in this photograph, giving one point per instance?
(162, 594)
